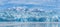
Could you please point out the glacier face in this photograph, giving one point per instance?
(25, 14)
(29, 13)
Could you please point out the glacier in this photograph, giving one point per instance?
(29, 13)
(25, 14)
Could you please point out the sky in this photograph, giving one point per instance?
(46, 4)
